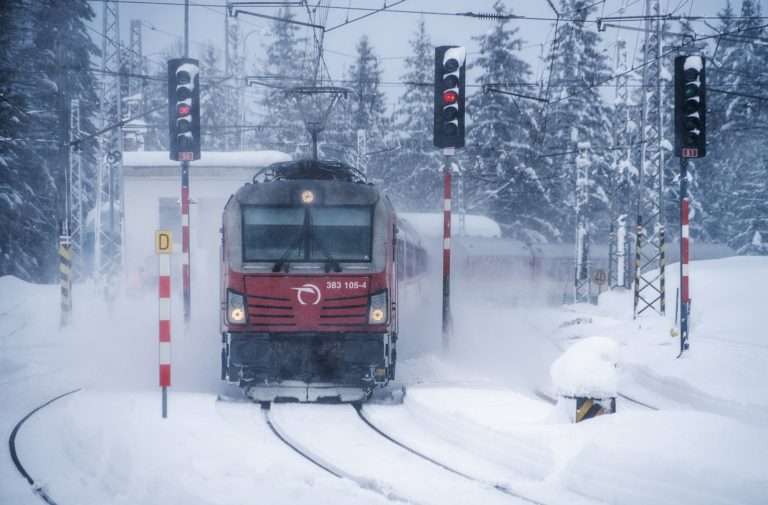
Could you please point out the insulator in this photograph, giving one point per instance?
(488, 15)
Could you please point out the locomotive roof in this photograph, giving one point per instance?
(327, 192)
(310, 169)
(333, 182)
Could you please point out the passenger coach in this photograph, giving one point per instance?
(309, 271)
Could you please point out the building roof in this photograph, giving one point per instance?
(234, 159)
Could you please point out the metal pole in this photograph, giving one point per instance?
(65, 252)
(684, 252)
(186, 259)
(186, 28)
(582, 278)
(448, 152)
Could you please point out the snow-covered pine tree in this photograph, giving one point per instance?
(717, 175)
(576, 113)
(412, 174)
(367, 105)
(17, 209)
(745, 200)
(284, 64)
(156, 95)
(501, 177)
(216, 124)
(51, 55)
(364, 75)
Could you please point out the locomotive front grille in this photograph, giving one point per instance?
(270, 311)
(344, 311)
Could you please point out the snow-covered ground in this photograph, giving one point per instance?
(479, 409)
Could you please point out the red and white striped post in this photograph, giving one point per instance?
(185, 255)
(685, 299)
(163, 246)
(448, 152)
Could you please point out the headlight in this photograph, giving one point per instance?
(235, 308)
(307, 197)
(377, 308)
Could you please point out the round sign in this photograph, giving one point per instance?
(599, 277)
(114, 156)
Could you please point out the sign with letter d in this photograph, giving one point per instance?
(163, 242)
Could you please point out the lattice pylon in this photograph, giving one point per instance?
(650, 262)
(77, 196)
(582, 285)
(108, 233)
(136, 66)
(234, 66)
(618, 244)
(135, 89)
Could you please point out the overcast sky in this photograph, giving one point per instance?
(389, 32)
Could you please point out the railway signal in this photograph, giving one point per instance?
(450, 69)
(690, 142)
(184, 128)
(184, 109)
(448, 132)
(690, 107)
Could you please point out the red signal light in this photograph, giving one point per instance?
(184, 110)
(450, 97)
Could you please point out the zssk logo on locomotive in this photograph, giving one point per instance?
(310, 289)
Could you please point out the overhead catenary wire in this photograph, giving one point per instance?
(470, 14)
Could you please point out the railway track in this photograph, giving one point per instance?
(371, 485)
(498, 487)
(316, 460)
(39, 491)
(637, 402)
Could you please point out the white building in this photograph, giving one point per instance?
(152, 189)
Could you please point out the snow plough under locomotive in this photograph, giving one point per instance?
(312, 255)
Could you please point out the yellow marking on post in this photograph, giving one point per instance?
(65, 252)
(581, 412)
(163, 242)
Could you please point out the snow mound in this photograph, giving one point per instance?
(587, 368)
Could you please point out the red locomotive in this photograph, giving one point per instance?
(311, 260)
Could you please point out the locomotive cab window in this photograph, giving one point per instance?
(307, 234)
(271, 232)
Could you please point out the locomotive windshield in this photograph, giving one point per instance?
(285, 234)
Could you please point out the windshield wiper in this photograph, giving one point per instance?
(331, 261)
(302, 235)
(308, 234)
(284, 258)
